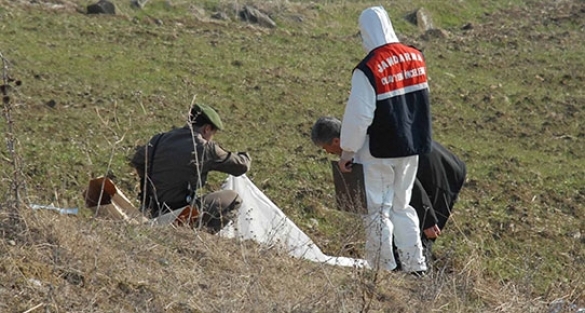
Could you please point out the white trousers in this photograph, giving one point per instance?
(388, 185)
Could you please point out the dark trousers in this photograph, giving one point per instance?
(216, 209)
(443, 202)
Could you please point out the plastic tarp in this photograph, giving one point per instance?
(259, 219)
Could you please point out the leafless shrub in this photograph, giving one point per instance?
(8, 84)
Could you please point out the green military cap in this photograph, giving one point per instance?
(208, 112)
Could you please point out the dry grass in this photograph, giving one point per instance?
(514, 244)
(76, 264)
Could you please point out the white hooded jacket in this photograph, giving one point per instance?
(376, 30)
(388, 179)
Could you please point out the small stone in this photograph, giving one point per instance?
(101, 7)
(35, 282)
(220, 16)
(313, 223)
(467, 26)
(51, 103)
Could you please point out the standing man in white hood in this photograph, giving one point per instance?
(386, 125)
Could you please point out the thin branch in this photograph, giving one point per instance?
(10, 139)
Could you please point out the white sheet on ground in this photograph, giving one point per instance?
(261, 220)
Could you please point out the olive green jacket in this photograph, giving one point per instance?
(175, 164)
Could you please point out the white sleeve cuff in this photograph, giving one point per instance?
(347, 155)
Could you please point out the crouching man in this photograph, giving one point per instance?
(175, 164)
(439, 179)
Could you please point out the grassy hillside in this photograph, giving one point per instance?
(507, 97)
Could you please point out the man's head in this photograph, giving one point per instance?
(205, 119)
(325, 134)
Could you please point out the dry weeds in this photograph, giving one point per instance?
(57, 263)
(75, 264)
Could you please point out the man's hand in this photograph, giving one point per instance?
(345, 165)
(432, 232)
